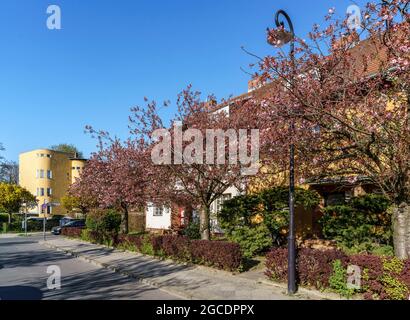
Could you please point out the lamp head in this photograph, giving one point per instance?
(279, 37)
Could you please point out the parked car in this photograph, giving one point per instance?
(71, 224)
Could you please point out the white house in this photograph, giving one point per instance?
(163, 218)
(158, 217)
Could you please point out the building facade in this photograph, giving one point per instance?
(48, 174)
(163, 218)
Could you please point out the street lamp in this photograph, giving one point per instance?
(25, 206)
(279, 37)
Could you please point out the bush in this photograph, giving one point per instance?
(367, 247)
(276, 206)
(147, 246)
(192, 231)
(337, 280)
(177, 247)
(269, 208)
(16, 222)
(130, 242)
(364, 221)
(4, 217)
(72, 232)
(381, 278)
(316, 266)
(219, 254)
(104, 221)
(252, 240)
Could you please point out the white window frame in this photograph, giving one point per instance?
(158, 211)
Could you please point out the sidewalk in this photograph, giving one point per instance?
(187, 282)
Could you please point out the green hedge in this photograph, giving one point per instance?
(104, 221)
(256, 221)
(364, 222)
(32, 225)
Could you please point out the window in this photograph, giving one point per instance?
(40, 174)
(49, 211)
(221, 200)
(78, 168)
(158, 211)
(49, 174)
(49, 192)
(40, 192)
(335, 199)
(49, 156)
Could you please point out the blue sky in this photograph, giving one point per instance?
(109, 54)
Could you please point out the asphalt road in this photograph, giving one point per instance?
(23, 276)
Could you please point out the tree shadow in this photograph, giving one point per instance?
(102, 284)
(28, 259)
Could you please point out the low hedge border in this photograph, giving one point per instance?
(218, 254)
(72, 232)
(381, 278)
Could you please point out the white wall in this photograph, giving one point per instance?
(158, 222)
(231, 190)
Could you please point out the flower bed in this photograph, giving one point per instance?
(380, 278)
(219, 254)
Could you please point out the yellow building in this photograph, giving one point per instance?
(47, 174)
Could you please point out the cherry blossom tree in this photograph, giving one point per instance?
(193, 167)
(115, 177)
(347, 91)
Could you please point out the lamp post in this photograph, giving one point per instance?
(283, 37)
(25, 218)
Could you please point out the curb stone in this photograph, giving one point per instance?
(308, 292)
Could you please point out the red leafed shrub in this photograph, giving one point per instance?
(95, 237)
(277, 264)
(130, 240)
(314, 267)
(71, 232)
(220, 254)
(371, 268)
(382, 278)
(177, 246)
(405, 274)
(156, 242)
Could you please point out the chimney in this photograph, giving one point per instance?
(211, 103)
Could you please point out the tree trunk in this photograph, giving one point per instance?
(401, 230)
(10, 217)
(204, 225)
(124, 222)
